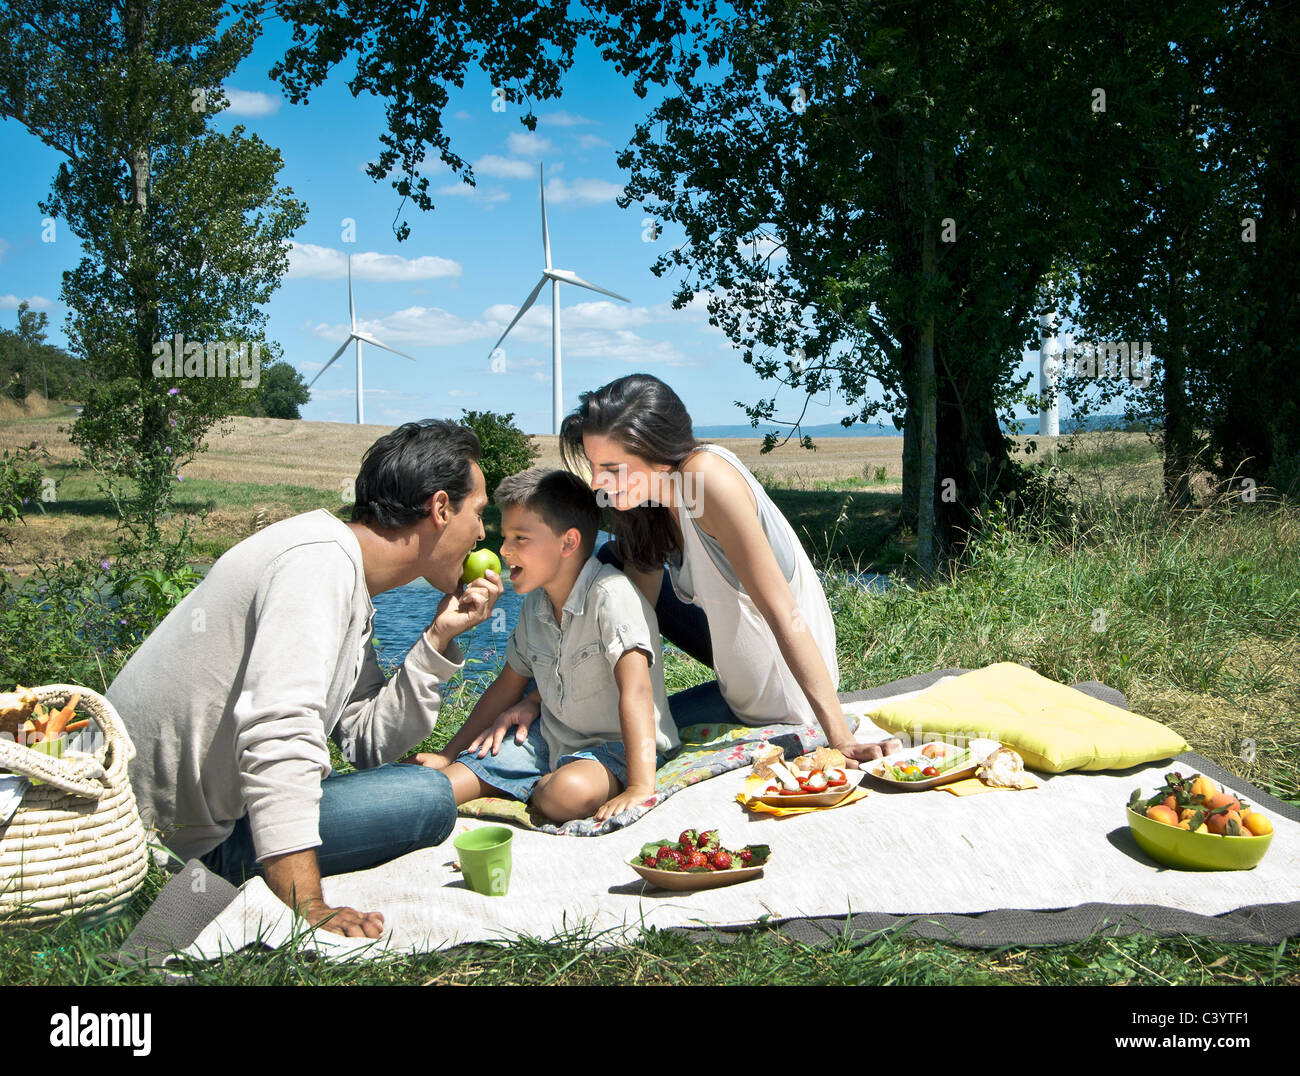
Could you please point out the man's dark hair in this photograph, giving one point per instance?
(403, 469)
(561, 498)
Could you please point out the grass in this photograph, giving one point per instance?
(1195, 616)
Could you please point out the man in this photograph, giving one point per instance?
(230, 700)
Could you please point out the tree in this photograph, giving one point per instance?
(412, 59)
(29, 364)
(864, 197)
(506, 449)
(183, 228)
(280, 394)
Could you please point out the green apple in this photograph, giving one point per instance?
(477, 565)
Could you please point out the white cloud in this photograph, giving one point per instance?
(461, 114)
(252, 103)
(591, 141)
(460, 392)
(564, 119)
(527, 144)
(584, 191)
(416, 326)
(758, 249)
(309, 261)
(36, 302)
(489, 196)
(503, 167)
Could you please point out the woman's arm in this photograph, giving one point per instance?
(728, 513)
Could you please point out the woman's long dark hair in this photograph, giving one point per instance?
(648, 419)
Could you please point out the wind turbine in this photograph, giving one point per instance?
(357, 335)
(556, 277)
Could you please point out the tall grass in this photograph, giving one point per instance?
(1194, 616)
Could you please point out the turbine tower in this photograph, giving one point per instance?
(358, 336)
(556, 277)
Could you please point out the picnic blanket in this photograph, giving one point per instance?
(707, 751)
(1012, 868)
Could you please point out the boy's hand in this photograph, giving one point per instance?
(629, 797)
(520, 716)
(432, 759)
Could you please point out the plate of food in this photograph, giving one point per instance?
(697, 860)
(819, 779)
(919, 768)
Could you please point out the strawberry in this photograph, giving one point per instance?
(721, 861)
(687, 840)
(745, 855)
(649, 861)
(709, 839)
(696, 859)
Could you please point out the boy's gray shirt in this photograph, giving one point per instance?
(604, 616)
(229, 701)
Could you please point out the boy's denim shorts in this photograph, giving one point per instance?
(517, 767)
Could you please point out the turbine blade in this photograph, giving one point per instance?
(546, 238)
(342, 348)
(532, 298)
(352, 310)
(379, 343)
(570, 277)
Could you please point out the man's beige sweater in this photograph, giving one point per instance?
(230, 700)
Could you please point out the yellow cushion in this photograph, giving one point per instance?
(1054, 728)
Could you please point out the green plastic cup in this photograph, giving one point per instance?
(485, 859)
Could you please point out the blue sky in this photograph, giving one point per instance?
(447, 292)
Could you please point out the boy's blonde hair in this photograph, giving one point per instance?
(560, 498)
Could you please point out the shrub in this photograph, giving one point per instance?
(507, 449)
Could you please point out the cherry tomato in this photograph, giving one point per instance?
(930, 771)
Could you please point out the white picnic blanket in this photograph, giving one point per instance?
(1058, 846)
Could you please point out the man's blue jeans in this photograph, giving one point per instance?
(366, 818)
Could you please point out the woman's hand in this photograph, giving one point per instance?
(856, 753)
(520, 716)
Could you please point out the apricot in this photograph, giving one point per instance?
(1226, 824)
(1171, 802)
(1256, 824)
(1184, 825)
(1161, 813)
(1223, 799)
(1186, 813)
(1202, 789)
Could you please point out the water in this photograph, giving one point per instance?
(401, 615)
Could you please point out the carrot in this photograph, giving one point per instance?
(59, 720)
(77, 725)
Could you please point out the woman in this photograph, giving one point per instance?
(767, 629)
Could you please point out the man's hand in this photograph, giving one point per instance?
(464, 608)
(856, 753)
(519, 716)
(346, 921)
(295, 878)
(629, 797)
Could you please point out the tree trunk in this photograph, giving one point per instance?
(927, 545)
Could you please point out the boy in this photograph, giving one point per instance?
(591, 641)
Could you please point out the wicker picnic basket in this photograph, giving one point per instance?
(76, 842)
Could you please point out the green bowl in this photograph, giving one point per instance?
(1190, 851)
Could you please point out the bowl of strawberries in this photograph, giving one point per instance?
(697, 860)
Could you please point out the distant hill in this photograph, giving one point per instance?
(877, 429)
(830, 429)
